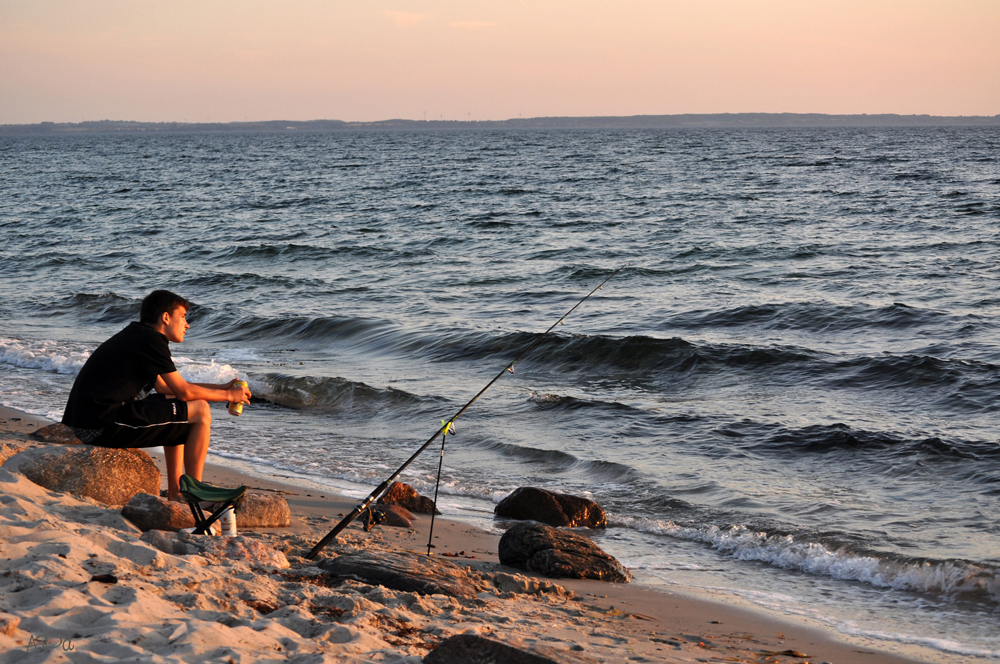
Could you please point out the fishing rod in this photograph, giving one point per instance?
(447, 426)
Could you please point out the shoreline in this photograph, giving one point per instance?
(610, 622)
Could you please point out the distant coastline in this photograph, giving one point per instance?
(689, 120)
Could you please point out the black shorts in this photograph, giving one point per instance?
(151, 422)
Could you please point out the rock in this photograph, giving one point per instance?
(558, 553)
(56, 433)
(263, 510)
(250, 551)
(110, 476)
(408, 572)
(167, 542)
(518, 583)
(391, 515)
(154, 513)
(258, 510)
(555, 509)
(406, 496)
(8, 624)
(7, 450)
(473, 649)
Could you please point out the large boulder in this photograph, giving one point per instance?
(558, 553)
(407, 497)
(109, 476)
(408, 572)
(555, 509)
(154, 513)
(56, 433)
(474, 649)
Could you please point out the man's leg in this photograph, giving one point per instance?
(193, 452)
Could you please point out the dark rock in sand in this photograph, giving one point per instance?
(56, 433)
(555, 509)
(106, 475)
(408, 572)
(154, 513)
(558, 553)
(473, 649)
(406, 496)
(394, 515)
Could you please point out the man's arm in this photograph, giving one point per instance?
(174, 384)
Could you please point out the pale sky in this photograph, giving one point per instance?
(177, 60)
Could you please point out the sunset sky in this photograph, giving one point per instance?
(69, 61)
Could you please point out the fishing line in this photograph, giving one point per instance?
(447, 426)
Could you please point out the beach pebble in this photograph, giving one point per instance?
(558, 553)
(554, 509)
(154, 513)
(406, 496)
(109, 476)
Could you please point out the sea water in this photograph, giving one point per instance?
(789, 398)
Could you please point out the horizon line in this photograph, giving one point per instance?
(676, 120)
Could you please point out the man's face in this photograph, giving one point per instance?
(176, 324)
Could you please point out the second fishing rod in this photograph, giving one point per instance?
(446, 428)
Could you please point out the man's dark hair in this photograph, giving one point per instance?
(158, 303)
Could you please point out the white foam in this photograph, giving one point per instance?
(238, 355)
(44, 355)
(943, 577)
(198, 371)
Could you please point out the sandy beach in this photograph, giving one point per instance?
(56, 548)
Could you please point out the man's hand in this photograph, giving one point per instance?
(242, 393)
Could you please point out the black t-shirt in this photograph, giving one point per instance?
(122, 368)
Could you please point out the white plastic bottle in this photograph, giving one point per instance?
(228, 521)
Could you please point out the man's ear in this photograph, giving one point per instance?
(165, 318)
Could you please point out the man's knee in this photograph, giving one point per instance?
(199, 412)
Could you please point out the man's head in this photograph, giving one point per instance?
(167, 312)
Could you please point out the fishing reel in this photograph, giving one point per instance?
(373, 517)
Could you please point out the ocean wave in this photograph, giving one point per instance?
(107, 307)
(810, 317)
(877, 446)
(963, 385)
(955, 579)
(557, 402)
(265, 329)
(597, 470)
(333, 395)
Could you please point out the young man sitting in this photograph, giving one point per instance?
(112, 405)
